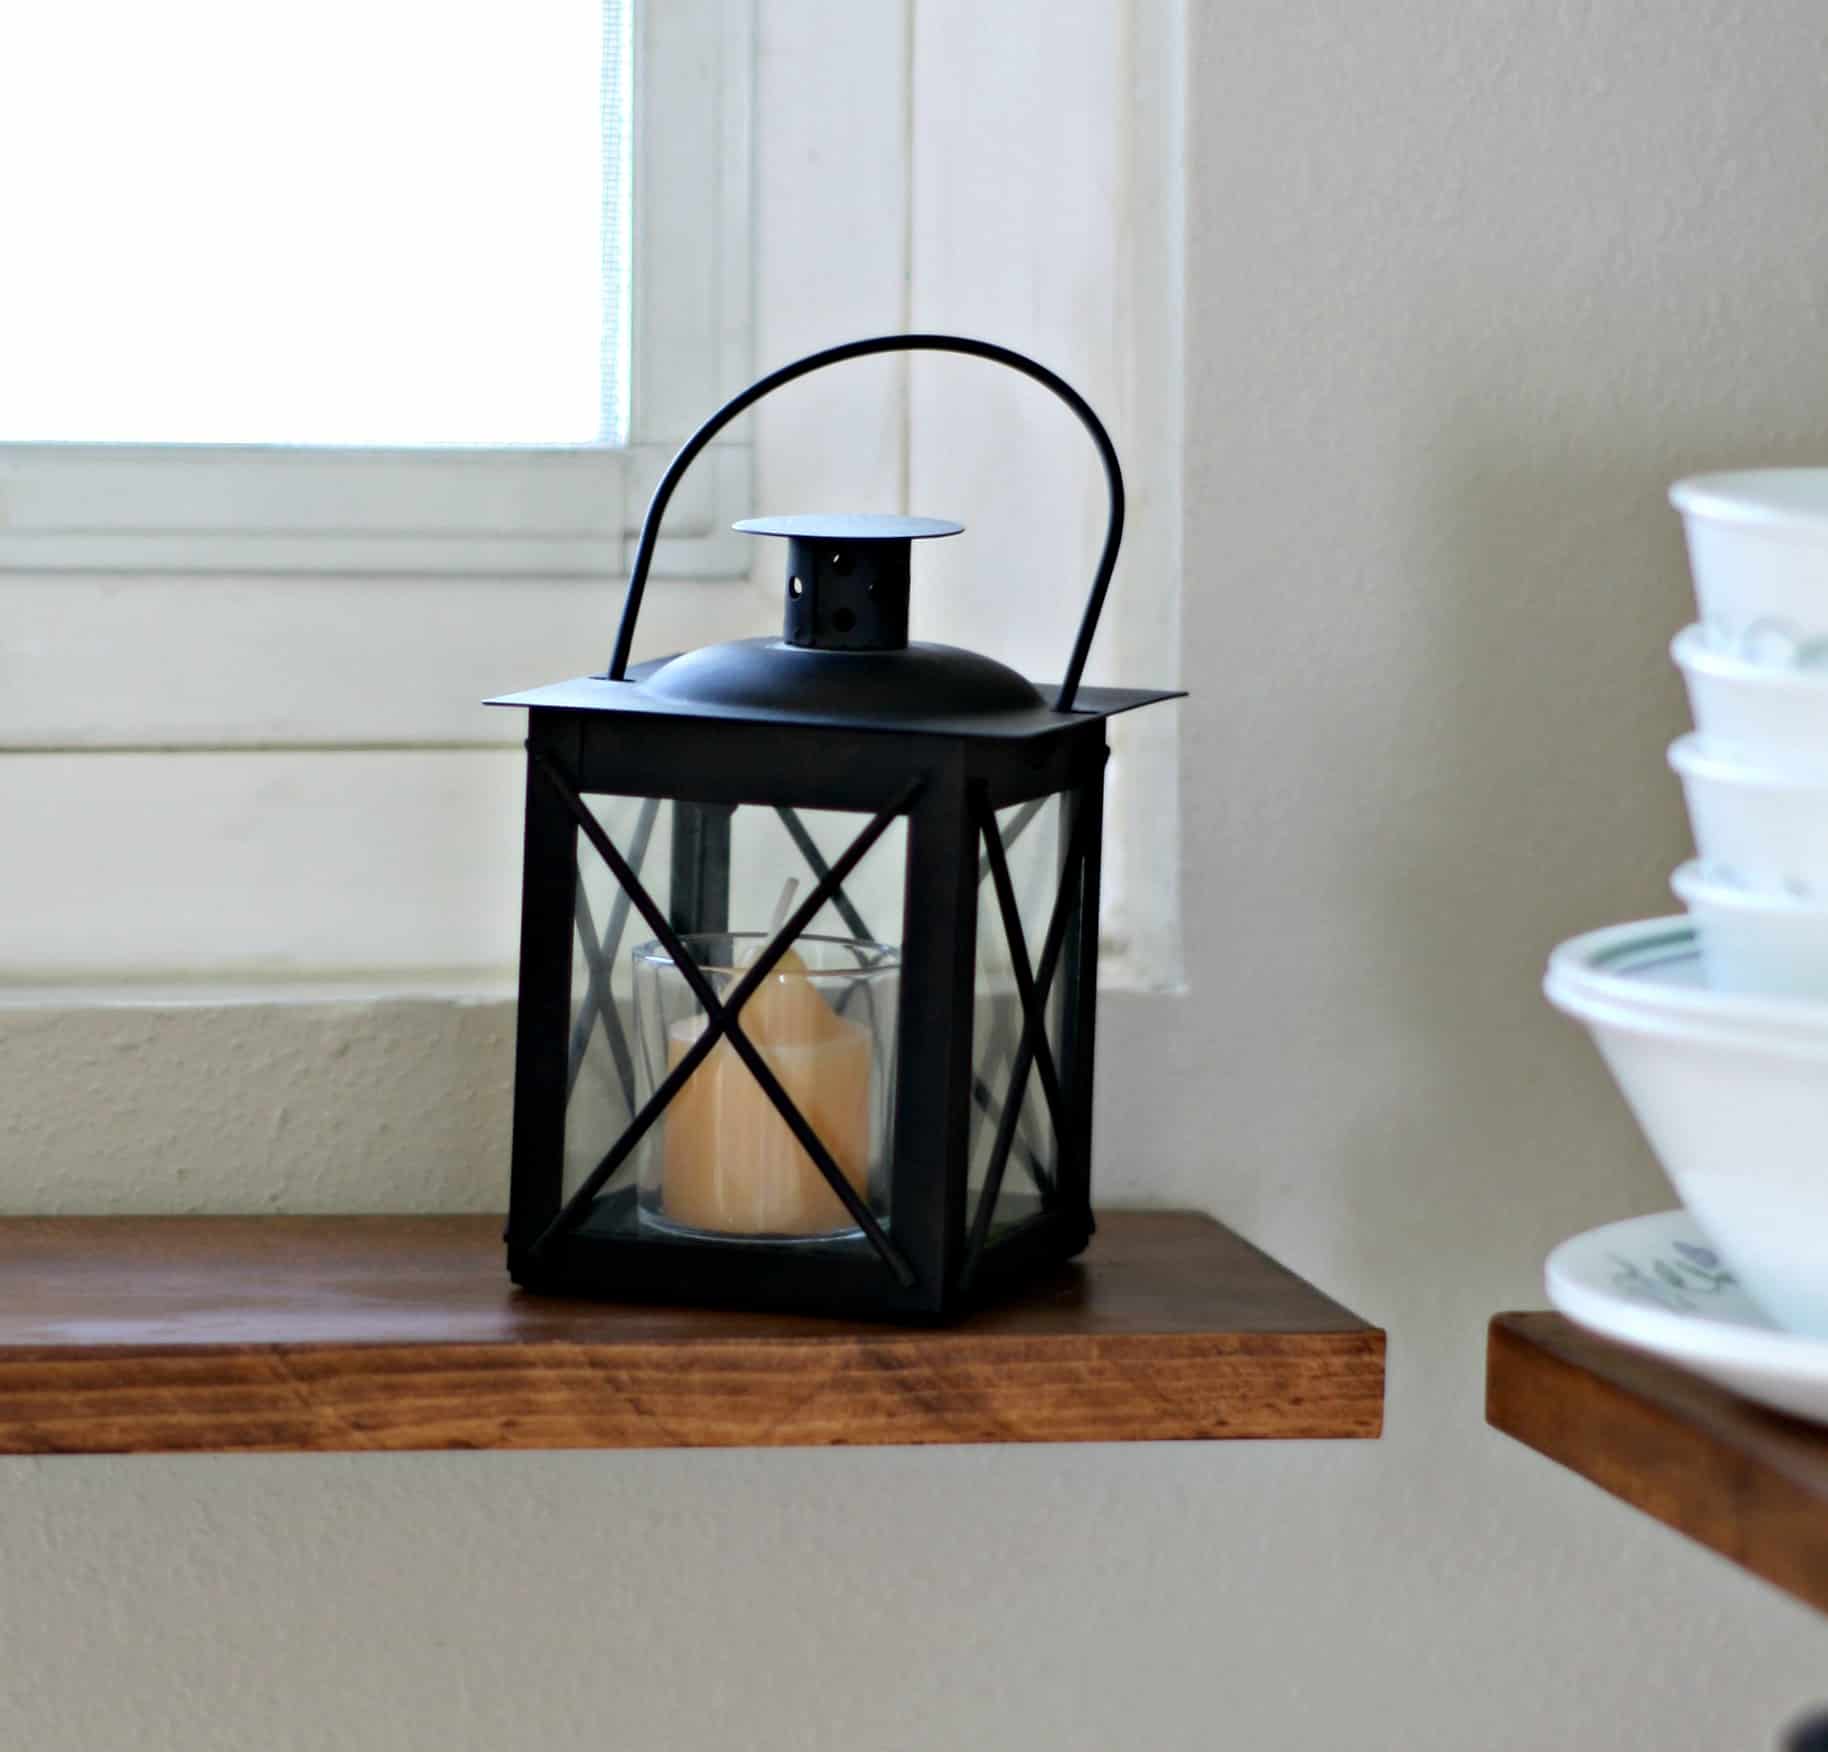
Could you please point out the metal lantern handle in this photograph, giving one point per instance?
(688, 453)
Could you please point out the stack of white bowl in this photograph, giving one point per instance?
(1717, 1028)
(1755, 772)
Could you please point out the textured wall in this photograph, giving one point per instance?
(350, 1106)
(1467, 284)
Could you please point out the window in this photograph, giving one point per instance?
(241, 737)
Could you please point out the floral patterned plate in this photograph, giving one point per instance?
(1656, 1284)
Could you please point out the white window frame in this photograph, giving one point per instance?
(560, 511)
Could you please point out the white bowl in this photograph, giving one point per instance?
(1732, 1093)
(1758, 549)
(1752, 712)
(1761, 828)
(1767, 944)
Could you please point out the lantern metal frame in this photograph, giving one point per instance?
(947, 776)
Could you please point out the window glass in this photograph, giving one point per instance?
(363, 222)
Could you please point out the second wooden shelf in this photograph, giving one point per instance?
(1748, 1483)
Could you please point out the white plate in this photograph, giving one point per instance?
(1655, 1284)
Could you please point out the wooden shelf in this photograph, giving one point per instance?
(171, 1334)
(1748, 1483)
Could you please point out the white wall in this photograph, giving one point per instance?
(1465, 285)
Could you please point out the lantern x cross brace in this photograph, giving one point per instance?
(854, 922)
(721, 1020)
(1033, 989)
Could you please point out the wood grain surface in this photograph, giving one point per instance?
(169, 1334)
(1749, 1483)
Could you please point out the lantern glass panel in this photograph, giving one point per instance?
(1032, 840)
(720, 1160)
(600, 1079)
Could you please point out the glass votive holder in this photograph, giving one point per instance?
(721, 1161)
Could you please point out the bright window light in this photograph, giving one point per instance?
(360, 222)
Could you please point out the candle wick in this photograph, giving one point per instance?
(783, 906)
(753, 953)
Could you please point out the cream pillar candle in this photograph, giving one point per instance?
(730, 1163)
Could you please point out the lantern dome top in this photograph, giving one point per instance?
(844, 650)
(915, 683)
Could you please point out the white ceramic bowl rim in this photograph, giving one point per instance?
(1694, 655)
(1788, 500)
(1720, 1037)
(1695, 758)
(1602, 976)
(1694, 886)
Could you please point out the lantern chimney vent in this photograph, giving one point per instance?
(847, 577)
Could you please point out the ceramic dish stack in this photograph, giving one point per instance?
(1755, 772)
(1716, 1026)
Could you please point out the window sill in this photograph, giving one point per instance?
(461, 986)
(1117, 977)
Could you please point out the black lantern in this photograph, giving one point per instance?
(809, 942)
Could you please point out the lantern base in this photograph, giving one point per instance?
(617, 1256)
